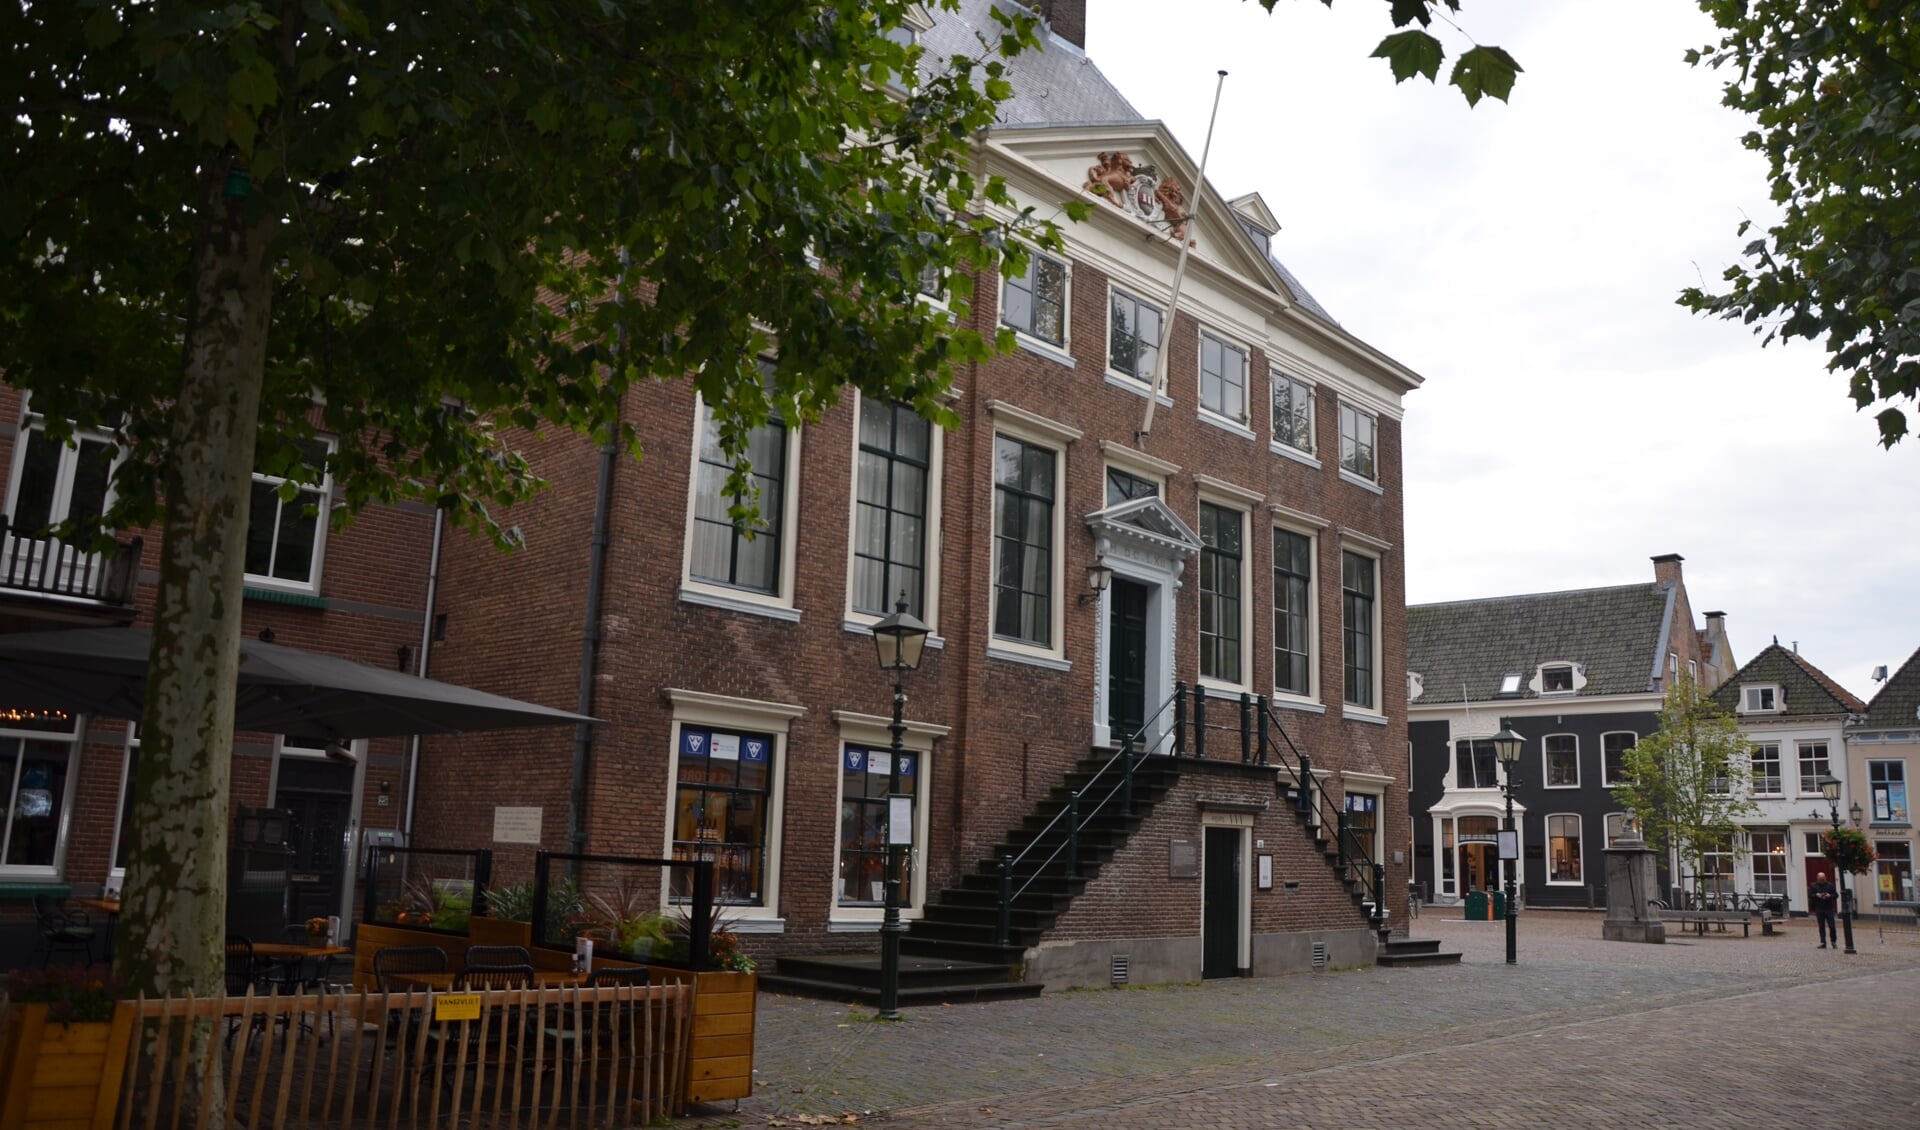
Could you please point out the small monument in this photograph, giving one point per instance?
(1629, 886)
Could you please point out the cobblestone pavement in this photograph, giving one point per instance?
(1700, 1032)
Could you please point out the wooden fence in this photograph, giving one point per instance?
(578, 1057)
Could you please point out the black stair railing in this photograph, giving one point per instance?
(1311, 798)
(1110, 784)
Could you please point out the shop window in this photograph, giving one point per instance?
(865, 784)
(37, 762)
(722, 790)
(1887, 785)
(1563, 849)
(1893, 870)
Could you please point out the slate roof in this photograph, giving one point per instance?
(1893, 708)
(1057, 85)
(1463, 648)
(1807, 689)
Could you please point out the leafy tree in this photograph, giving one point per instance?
(1688, 782)
(226, 227)
(1479, 71)
(1834, 91)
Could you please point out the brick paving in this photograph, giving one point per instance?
(1701, 1032)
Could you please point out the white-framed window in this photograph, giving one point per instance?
(1887, 789)
(123, 819)
(895, 471)
(1716, 866)
(1893, 870)
(287, 536)
(866, 783)
(1363, 821)
(1360, 624)
(733, 563)
(1292, 411)
(1673, 667)
(1616, 827)
(1358, 430)
(1134, 333)
(1815, 843)
(39, 768)
(1556, 679)
(1613, 756)
(50, 483)
(1765, 761)
(1222, 592)
(1563, 848)
(1026, 532)
(1294, 613)
(1035, 302)
(1693, 670)
(1813, 766)
(1764, 699)
(727, 795)
(1125, 486)
(1223, 378)
(1769, 858)
(1561, 755)
(1475, 764)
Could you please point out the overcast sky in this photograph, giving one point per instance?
(1524, 258)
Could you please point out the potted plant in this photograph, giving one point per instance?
(65, 1043)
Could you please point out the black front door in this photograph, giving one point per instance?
(319, 795)
(1126, 658)
(1220, 918)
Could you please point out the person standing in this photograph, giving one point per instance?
(1823, 899)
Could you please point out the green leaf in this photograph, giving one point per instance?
(1411, 53)
(1484, 71)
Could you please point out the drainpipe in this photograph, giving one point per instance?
(590, 644)
(426, 645)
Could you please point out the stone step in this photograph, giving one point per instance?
(917, 996)
(859, 970)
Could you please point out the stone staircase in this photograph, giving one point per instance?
(1415, 951)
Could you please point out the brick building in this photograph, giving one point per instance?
(1247, 543)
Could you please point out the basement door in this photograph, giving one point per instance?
(1220, 913)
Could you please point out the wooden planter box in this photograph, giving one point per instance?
(720, 1063)
(65, 1075)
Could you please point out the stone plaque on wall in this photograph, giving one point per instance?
(516, 825)
(1183, 861)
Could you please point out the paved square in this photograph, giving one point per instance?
(1700, 1032)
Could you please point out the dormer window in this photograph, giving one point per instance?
(1761, 700)
(1556, 680)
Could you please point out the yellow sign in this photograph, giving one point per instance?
(1886, 884)
(456, 1006)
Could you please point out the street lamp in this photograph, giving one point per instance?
(900, 638)
(1506, 744)
(1830, 788)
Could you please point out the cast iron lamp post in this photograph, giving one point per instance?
(1830, 788)
(900, 638)
(1506, 744)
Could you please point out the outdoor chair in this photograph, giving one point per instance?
(484, 957)
(484, 977)
(486, 1039)
(406, 959)
(242, 976)
(589, 1028)
(61, 929)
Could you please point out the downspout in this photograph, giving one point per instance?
(590, 645)
(426, 646)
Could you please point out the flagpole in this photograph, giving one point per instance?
(1179, 274)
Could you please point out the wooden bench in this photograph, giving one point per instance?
(1770, 923)
(1701, 919)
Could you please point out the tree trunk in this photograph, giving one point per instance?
(172, 924)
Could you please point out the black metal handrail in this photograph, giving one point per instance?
(1312, 799)
(49, 566)
(1133, 747)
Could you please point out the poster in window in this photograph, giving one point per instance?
(856, 760)
(693, 743)
(753, 750)
(906, 765)
(879, 764)
(725, 747)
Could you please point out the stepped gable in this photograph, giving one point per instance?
(1614, 632)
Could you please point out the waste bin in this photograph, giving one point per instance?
(1476, 906)
(1499, 904)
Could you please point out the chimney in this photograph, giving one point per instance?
(1666, 568)
(1067, 19)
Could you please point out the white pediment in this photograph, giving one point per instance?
(1255, 211)
(1146, 525)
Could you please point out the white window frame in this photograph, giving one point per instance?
(1031, 428)
(1378, 709)
(117, 875)
(1613, 826)
(1298, 386)
(871, 732)
(1575, 680)
(62, 836)
(1809, 784)
(1314, 650)
(1143, 381)
(1349, 411)
(1062, 349)
(1901, 814)
(1238, 506)
(1545, 782)
(60, 506)
(699, 590)
(1779, 770)
(1228, 348)
(703, 710)
(317, 566)
(1605, 780)
(930, 543)
(1580, 837)
(1754, 854)
(1761, 698)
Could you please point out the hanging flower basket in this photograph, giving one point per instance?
(1848, 850)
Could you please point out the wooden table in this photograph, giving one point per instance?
(108, 907)
(441, 982)
(288, 951)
